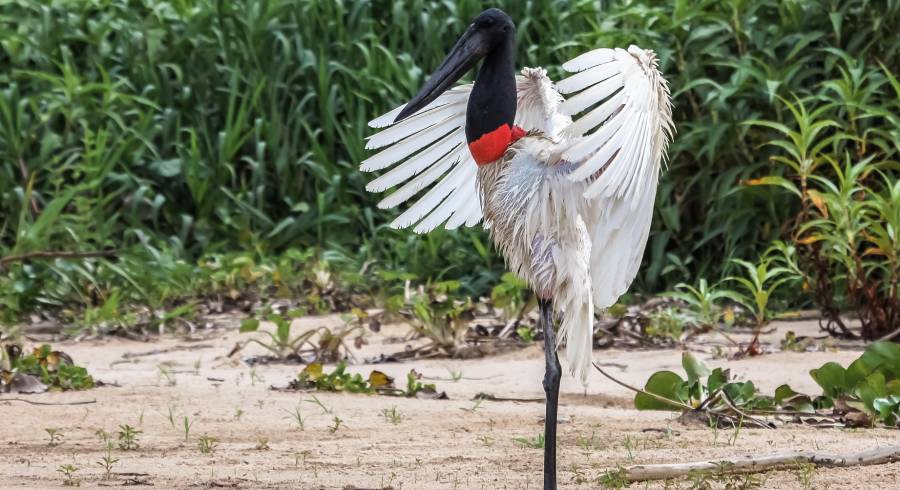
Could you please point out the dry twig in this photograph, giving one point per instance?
(758, 464)
(30, 402)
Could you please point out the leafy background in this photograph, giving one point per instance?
(214, 145)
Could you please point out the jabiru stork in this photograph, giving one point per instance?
(568, 202)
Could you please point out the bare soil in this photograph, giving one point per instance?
(441, 444)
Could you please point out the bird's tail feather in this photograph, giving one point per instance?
(577, 307)
(578, 330)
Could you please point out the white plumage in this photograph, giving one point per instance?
(570, 204)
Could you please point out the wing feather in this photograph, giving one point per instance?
(618, 145)
(432, 198)
(414, 165)
(427, 152)
(410, 145)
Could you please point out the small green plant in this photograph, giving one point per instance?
(578, 475)
(262, 443)
(280, 343)
(526, 334)
(255, 377)
(629, 444)
(586, 443)
(613, 479)
(68, 472)
(107, 461)
(171, 416)
(336, 422)
(536, 443)
(315, 401)
(668, 323)
(207, 444)
(392, 415)
(513, 297)
(166, 372)
(55, 436)
(737, 431)
(475, 406)
(105, 437)
(759, 283)
(805, 471)
(297, 417)
(300, 457)
(414, 386)
(128, 438)
(186, 428)
(702, 302)
(437, 314)
(455, 374)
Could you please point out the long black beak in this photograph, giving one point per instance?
(472, 46)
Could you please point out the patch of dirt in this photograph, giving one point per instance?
(438, 444)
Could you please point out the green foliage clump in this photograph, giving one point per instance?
(440, 314)
(54, 369)
(701, 385)
(871, 383)
(200, 142)
(869, 386)
(313, 376)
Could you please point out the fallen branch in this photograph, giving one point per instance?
(133, 355)
(30, 402)
(758, 464)
(55, 255)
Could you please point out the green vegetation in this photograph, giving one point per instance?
(68, 472)
(865, 392)
(313, 377)
(169, 151)
(54, 369)
(207, 444)
(327, 347)
(536, 443)
(55, 436)
(128, 438)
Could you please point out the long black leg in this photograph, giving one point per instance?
(551, 389)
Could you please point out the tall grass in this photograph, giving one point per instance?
(170, 130)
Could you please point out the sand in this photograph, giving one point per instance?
(440, 444)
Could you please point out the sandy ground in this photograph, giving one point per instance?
(442, 444)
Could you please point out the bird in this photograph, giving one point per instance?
(562, 175)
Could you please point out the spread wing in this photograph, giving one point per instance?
(428, 150)
(617, 143)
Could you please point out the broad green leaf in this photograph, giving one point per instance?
(694, 368)
(832, 377)
(249, 325)
(665, 384)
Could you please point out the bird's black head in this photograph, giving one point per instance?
(494, 25)
(490, 29)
